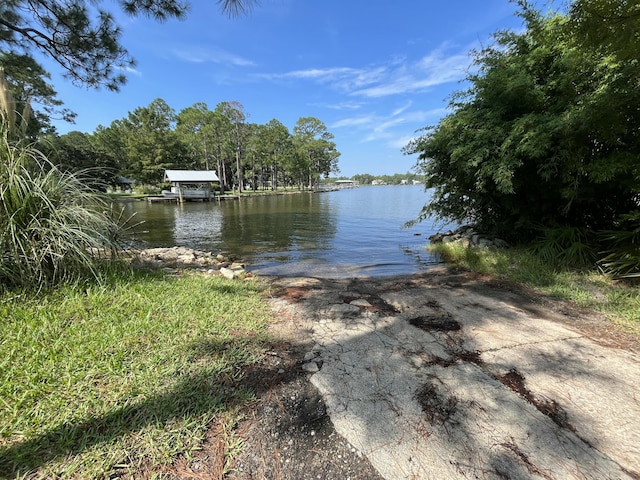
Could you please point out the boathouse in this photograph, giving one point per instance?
(346, 183)
(190, 184)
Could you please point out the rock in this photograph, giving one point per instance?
(311, 367)
(360, 302)
(186, 258)
(310, 356)
(436, 238)
(228, 273)
(343, 308)
(499, 243)
(467, 236)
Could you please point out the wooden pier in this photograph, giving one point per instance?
(176, 199)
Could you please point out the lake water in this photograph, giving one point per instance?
(330, 234)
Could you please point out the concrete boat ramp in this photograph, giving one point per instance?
(442, 376)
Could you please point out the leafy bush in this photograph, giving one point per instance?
(622, 257)
(565, 246)
(147, 189)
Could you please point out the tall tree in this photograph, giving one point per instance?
(29, 83)
(235, 113)
(542, 137)
(82, 37)
(151, 143)
(317, 151)
(195, 125)
(612, 26)
(111, 140)
(274, 144)
(221, 128)
(75, 152)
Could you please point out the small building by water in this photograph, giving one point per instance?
(190, 184)
(346, 183)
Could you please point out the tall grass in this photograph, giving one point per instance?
(51, 225)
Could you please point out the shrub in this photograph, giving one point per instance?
(565, 246)
(51, 227)
(622, 254)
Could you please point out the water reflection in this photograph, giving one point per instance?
(288, 226)
(334, 234)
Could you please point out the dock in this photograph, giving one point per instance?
(176, 199)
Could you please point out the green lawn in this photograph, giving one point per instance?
(95, 381)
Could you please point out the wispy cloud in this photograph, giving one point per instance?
(343, 106)
(397, 76)
(391, 128)
(131, 70)
(213, 55)
(355, 121)
(434, 69)
(401, 109)
(342, 78)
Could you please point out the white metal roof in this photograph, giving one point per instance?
(191, 176)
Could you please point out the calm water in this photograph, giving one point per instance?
(332, 234)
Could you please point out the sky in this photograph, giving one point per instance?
(375, 72)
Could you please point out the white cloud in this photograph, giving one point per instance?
(401, 109)
(397, 76)
(342, 78)
(131, 70)
(430, 71)
(393, 128)
(214, 55)
(355, 121)
(400, 142)
(343, 106)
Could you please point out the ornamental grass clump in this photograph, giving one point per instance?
(52, 227)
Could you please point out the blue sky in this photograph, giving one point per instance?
(373, 71)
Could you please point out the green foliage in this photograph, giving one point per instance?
(75, 152)
(28, 82)
(151, 143)
(395, 179)
(51, 226)
(565, 246)
(622, 255)
(541, 137)
(316, 151)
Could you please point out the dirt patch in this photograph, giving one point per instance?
(288, 435)
(293, 294)
(377, 304)
(437, 408)
(516, 382)
(438, 323)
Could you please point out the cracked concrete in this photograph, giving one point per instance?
(436, 377)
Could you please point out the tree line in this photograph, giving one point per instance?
(369, 179)
(154, 138)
